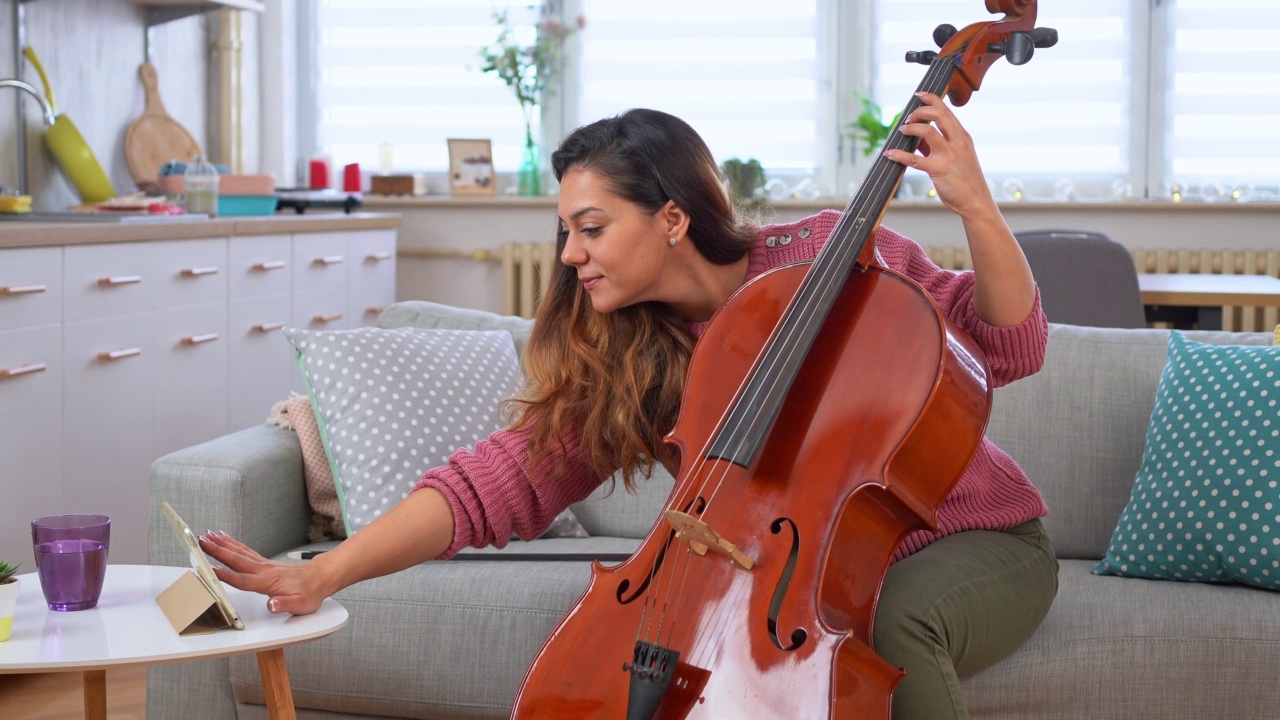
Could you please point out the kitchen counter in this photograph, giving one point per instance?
(40, 234)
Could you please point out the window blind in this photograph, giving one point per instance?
(746, 74)
(407, 73)
(1222, 104)
(1063, 116)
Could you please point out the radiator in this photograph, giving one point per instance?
(526, 270)
(1217, 262)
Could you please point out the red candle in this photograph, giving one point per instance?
(351, 178)
(319, 174)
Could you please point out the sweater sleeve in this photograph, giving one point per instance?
(494, 492)
(1012, 352)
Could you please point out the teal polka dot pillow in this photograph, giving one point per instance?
(392, 404)
(1206, 501)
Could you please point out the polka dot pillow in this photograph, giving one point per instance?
(1206, 501)
(392, 404)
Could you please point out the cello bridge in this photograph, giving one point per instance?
(701, 537)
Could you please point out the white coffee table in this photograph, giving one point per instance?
(128, 628)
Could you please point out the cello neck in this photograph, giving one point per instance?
(849, 248)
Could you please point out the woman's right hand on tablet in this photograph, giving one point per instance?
(291, 587)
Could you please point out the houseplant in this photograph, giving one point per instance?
(529, 70)
(8, 597)
(746, 181)
(869, 128)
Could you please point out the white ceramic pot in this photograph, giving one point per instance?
(8, 602)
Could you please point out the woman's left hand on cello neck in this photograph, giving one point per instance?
(1004, 290)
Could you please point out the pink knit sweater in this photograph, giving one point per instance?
(494, 492)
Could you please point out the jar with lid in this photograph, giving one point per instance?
(200, 183)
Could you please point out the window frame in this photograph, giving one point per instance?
(845, 51)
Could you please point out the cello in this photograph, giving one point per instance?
(754, 594)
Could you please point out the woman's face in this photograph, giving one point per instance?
(618, 251)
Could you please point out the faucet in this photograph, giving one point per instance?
(49, 116)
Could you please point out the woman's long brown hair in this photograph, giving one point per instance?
(615, 380)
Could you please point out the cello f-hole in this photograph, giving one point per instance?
(695, 506)
(798, 636)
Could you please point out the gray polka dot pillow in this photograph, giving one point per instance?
(1206, 501)
(392, 404)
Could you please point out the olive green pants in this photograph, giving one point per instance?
(958, 606)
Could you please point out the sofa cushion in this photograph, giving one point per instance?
(423, 314)
(1205, 505)
(1077, 427)
(1127, 649)
(393, 403)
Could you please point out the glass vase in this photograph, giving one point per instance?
(529, 178)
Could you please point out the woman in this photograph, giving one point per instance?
(650, 249)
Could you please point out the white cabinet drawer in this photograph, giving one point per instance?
(106, 429)
(107, 280)
(371, 283)
(260, 358)
(259, 265)
(30, 287)
(320, 310)
(189, 384)
(189, 272)
(30, 434)
(320, 260)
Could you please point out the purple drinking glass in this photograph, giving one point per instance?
(71, 558)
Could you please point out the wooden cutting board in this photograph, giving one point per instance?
(155, 138)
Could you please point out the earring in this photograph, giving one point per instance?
(672, 242)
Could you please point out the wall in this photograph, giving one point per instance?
(473, 224)
(91, 50)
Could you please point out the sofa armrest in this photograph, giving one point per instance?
(248, 484)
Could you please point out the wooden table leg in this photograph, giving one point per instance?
(275, 684)
(95, 695)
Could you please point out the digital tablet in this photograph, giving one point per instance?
(204, 571)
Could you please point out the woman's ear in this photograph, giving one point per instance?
(674, 220)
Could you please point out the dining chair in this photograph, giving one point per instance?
(1085, 278)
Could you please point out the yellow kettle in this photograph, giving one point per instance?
(69, 147)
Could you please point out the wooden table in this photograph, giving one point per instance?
(1195, 300)
(128, 628)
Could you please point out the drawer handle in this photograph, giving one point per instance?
(199, 339)
(331, 317)
(198, 271)
(120, 280)
(119, 354)
(378, 256)
(375, 310)
(268, 327)
(270, 265)
(328, 260)
(22, 289)
(23, 370)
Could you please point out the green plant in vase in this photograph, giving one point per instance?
(869, 128)
(746, 182)
(8, 597)
(529, 70)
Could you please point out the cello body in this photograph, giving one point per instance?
(886, 412)
(829, 409)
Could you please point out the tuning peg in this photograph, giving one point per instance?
(943, 33)
(923, 57)
(1044, 37)
(1017, 49)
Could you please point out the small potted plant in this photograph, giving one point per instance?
(870, 129)
(8, 597)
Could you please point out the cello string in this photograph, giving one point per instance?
(883, 175)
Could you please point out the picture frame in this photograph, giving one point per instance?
(471, 167)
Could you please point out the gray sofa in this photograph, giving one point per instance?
(452, 639)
